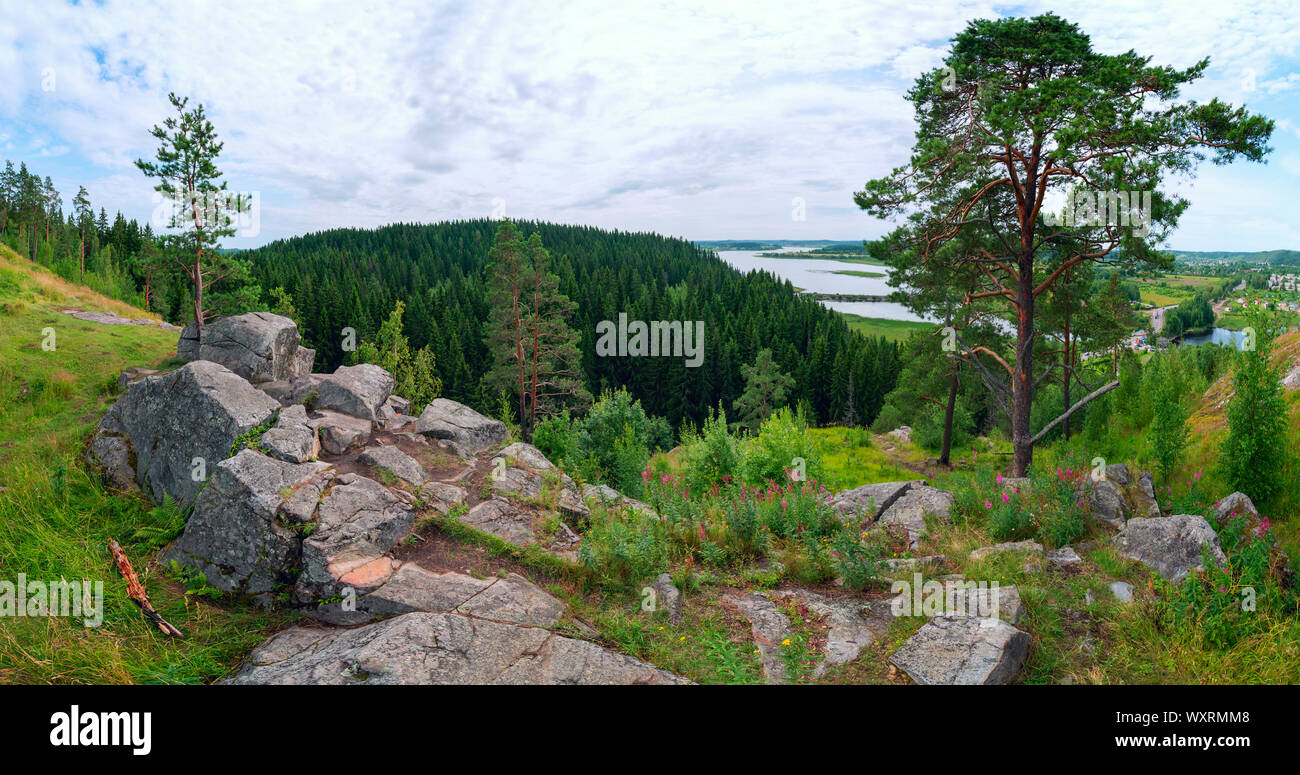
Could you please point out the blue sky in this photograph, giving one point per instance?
(701, 120)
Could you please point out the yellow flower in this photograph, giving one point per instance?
(682, 638)
(785, 642)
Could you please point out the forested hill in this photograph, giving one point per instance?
(352, 277)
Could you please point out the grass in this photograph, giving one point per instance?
(55, 519)
(857, 273)
(893, 330)
(847, 258)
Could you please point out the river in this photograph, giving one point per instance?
(819, 276)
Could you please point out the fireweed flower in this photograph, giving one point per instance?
(987, 505)
(1006, 498)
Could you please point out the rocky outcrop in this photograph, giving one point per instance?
(167, 432)
(1170, 545)
(521, 470)
(869, 501)
(339, 432)
(243, 533)
(359, 391)
(465, 430)
(429, 648)
(1119, 495)
(963, 650)
(258, 346)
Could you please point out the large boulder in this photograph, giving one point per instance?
(429, 648)
(1238, 504)
(167, 432)
(467, 431)
(909, 511)
(242, 535)
(258, 346)
(870, 500)
(339, 432)
(963, 650)
(1170, 545)
(360, 391)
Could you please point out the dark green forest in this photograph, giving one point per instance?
(352, 278)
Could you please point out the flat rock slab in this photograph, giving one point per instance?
(428, 648)
(1170, 545)
(520, 527)
(397, 462)
(963, 650)
(110, 319)
(770, 627)
(467, 430)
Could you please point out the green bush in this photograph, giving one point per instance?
(713, 456)
(781, 441)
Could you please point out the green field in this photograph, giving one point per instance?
(894, 330)
(856, 273)
(847, 258)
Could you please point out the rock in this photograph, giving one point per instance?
(611, 497)
(293, 439)
(428, 648)
(394, 460)
(1106, 501)
(1170, 545)
(963, 650)
(176, 426)
(852, 624)
(910, 509)
(514, 599)
(258, 346)
(995, 601)
(1118, 473)
(358, 521)
(112, 455)
(339, 432)
(498, 517)
(668, 594)
(134, 374)
(903, 434)
(399, 405)
(1065, 557)
(1033, 547)
(869, 501)
(1238, 503)
(238, 535)
(1144, 496)
(1122, 590)
(469, 431)
(358, 390)
(303, 359)
(770, 627)
(521, 470)
(442, 496)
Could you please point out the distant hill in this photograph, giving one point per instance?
(1263, 257)
(823, 245)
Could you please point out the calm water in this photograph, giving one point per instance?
(1216, 336)
(819, 276)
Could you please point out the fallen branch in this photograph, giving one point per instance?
(135, 590)
(1082, 401)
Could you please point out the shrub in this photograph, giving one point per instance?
(781, 441)
(712, 457)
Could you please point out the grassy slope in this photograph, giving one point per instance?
(55, 519)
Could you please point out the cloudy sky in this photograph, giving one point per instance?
(703, 120)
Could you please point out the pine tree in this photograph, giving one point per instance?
(766, 390)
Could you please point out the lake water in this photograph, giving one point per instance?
(1216, 336)
(819, 276)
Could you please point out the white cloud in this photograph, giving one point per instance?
(694, 119)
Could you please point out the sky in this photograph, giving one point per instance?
(709, 120)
